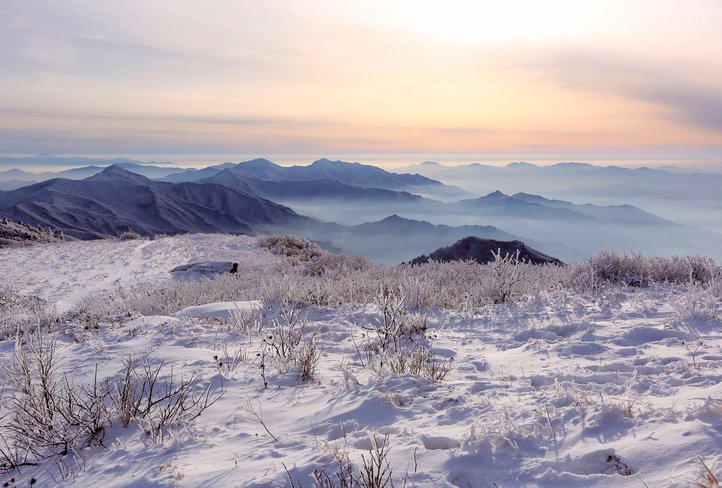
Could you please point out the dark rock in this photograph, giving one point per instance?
(206, 268)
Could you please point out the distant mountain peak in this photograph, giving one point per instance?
(573, 164)
(528, 197)
(394, 218)
(258, 162)
(328, 162)
(496, 194)
(521, 164)
(397, 222)
(116, 172)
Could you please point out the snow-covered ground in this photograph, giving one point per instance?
(608, 390)
(64, 273)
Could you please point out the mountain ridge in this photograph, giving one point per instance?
(116, 200)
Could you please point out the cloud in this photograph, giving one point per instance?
(700, 106)
(292, 77)
(689, 92)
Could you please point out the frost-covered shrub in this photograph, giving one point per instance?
(24, 313)
(46, 414)
(335, 263)
(630, 269)
(331, 280)
(702, 269)
(414, 361)
(696, 304)
(291, 246)
(7, 298)
(508, 275)
(442, 285)
(715, 284)
(130, 236)
(637, 270)
(286, 344)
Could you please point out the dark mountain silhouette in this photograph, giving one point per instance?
(482, 251)
(395, 239)
(116, 200)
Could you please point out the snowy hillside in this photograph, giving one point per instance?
(115, 200)
(305, 364)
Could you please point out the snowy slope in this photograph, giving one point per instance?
(65, 272)
(558, 391)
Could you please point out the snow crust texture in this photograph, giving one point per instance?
(614, 388)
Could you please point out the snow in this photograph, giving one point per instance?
(66, 272)
(587, 392)
(222, 310)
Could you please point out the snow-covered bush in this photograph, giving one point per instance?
(292, 247)
(331, 280)
(20, 314)
(7, 297)
(697, 303)
(637, 270)
(341, 264)
(375, 470)
(131, 236)
(630, 269)
(156, 401)
(508, 275)
(287, 345)
(47, 414)
(416, 360)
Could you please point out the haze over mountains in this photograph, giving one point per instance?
(684, 196)
(16, 178)
(359, 208)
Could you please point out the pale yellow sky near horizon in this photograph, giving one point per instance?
(555, 80)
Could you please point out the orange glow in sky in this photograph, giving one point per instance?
(578, 78)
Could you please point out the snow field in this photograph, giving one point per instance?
(617, 388)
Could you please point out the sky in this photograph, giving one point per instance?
(459, 80)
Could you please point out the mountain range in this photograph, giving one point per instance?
(17, 178)
(352, 174)
(677, 194)
(115, 200)
(342, 206)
